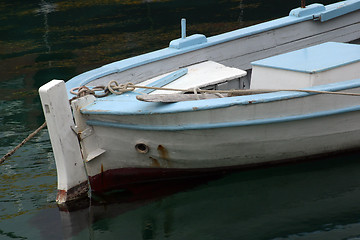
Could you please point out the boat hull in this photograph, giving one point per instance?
(118, 141)
(181, 150)
(134, 180)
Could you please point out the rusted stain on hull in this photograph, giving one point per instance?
(163, 152)
(154, 162)
(79, 191)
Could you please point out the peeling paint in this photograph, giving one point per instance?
(77, 192)
(61, 196)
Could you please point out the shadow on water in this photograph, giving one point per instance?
(309, 200)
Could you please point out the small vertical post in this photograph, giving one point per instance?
(303, 3)
(183, 28)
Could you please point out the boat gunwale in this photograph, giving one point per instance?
(129, 63)
(127, 104)
(205, 126)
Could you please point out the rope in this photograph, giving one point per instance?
(115, 88)
(196, 93)
(22, 143)
(83, 90)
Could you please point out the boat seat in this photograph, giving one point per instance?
(199, 75)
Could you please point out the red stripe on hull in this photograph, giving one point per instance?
(132, 178)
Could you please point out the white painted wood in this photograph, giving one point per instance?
(94, 154)
(271, 78)
(66, 148)
(199, 75)
(318, 65)
(89, 143)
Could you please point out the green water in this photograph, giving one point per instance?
(43, 40)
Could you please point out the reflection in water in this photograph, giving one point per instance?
(80, 218)
(299, 201)
(241, 14)
(45, 9)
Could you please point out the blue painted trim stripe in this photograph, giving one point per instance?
(165, 80)
(223, 124)
(127, 104)
(309, 10)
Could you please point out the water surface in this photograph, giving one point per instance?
(44, 40)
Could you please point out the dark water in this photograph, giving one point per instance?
(43, 40)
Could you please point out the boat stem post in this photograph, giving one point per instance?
(183, 28)
(71, 173)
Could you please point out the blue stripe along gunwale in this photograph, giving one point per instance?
(223, 124)
(127, 104)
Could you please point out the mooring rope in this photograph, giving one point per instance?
(2, 160)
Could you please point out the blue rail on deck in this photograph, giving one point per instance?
(165, 80)
(127, 104)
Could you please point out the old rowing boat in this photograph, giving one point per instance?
(253, 96)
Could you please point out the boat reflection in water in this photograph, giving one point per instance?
(309, 200)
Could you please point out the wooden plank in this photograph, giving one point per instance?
(201, 75)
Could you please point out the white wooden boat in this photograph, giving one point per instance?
(121, 140)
